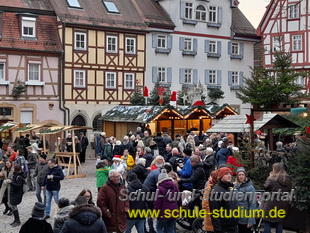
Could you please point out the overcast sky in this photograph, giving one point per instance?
(253, 10)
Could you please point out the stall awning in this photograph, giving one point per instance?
(8, 126)
(236, 124)
(60, 128)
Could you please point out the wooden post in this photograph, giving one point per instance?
(252, 136)
(74, 152)
(270, 139)
(172, 128)
(44, 143)
(200, 128)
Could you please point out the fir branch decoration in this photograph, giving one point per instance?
(18, 89)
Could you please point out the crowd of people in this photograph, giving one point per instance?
(137, 163)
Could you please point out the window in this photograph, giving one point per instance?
(110, 80)
(111, 7)
(213, 14)
(300, 81)
(34, 72)
(80, 41)
(235, 48)
(293, 11)
(276, 42)
(111, 44)
(2, 71)
(201, 13)
(297, 42)
(235, 78)
(28, 27)
(129, 81)
(130, 45)
(188, 10)
(74, 3)
(212, 77)
(188, 76)
(212, 47)
(26, 117)
(161, 74)
(79, 78)
(6, 112)
(97, 124)
(161, 42)
(188, 44)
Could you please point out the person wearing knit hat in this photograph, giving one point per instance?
(37, 223)
(185, 169)
(163, 176)
(243, 185)
(220, 190)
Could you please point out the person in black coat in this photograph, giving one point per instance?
(198, 177)
(36, 224)
(118, 150)
(148, 156)
(140, 169)
(84, 218)
(16, 192)
(84, 143)
(161, 145)
(176, 159)
(134, 185)
(208, 161)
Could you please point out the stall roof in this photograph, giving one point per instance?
(8, 126)
(236, 124)
(60, 128)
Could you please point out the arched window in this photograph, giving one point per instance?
(201, 13)
(79, 121)
(97, 124)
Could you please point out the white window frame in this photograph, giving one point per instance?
(213, 14)
(29, 22)
(82, 43)
(126, 81)
(300, 80)
(108, 80)
(235, 48)
(130, 45)
(74, 3)
(162, 42)
(212, 76)
(162, 74)
(293, 11)
(188, 10)
(83, 79)
(201, 15)
(296, 42)
(276, 43)
(188, 76)
(235, 78)
(212, 46)
(111, 44)
(188, 44)
(2, 71)
(31, 72)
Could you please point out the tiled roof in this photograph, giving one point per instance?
(46, 31)
(94, 13)
(28, 4)
(241, 25)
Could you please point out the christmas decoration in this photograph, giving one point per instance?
(173, 99)
(199, 102)
(157, 93)
(137, 97)
(308, 130)
(248, 119)
(145, 94)
(18, 89)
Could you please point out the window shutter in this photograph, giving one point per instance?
(241, 50)
(169, 74)
(195, 46)
(229, 48)
(195, 74)
(207, 80)
(181, 43)
(154, 74)
(219, 77)
(219, 47)
(181, 76)
(182, 10)
(169, 42)
(154, 41)
(220, 15)
(241, 78)
(229, 78)
(207, 46)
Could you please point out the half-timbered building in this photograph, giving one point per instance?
(104, 61)
(30, 51)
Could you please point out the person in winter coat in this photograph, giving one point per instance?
(62, 214)
(128, 160)
(222, 156)
(134, 185)
(102, 172)
(187, 170)
(16, 192)
(52, 181)
(277, 180)
(31, 162)
(198, 177)
(244, 185)
(148, 156)
(108, 151)
(114, 209)
(176, 159)
(5, 174)
(40, 172)
(166, 138)
(158, 162)
(208, 161)
(140, 170)
(161, 145)
(224, 185)
(168, 152)
(127, 145)
(119, 165)
(84, 218)
(84, 143)
(117, 150)
(36, 224)
(164, 202)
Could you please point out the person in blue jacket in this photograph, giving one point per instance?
(186, 170)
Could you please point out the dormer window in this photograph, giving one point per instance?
(111, 7)
(28, 27)
(74, 3)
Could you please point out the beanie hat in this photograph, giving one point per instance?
(141, 161)
(187, 151)
(222, 171)
(148, 150)
(131, 176)
(163, 176)
(117, 158)
(38, 210)
(241, 169)
(43, 156)
(158, 133)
